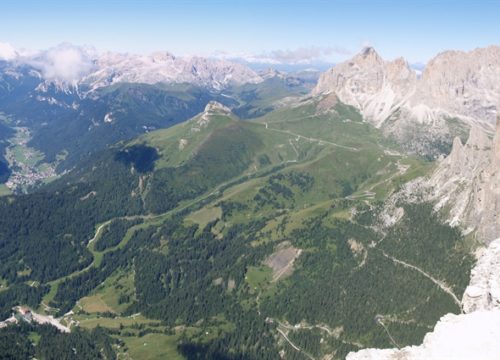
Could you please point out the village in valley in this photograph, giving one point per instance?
(26, 164)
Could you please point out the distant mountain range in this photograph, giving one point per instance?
(73, 68)
(75, 103)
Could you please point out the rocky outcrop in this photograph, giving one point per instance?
(457, 337)
(483, 292)
(473, 335)
(213, 108)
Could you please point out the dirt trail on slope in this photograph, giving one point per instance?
(320, 141)
(441, 284)
(282, 333)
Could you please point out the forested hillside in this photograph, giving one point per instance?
(225, 239)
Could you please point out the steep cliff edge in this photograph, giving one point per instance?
(466, 184)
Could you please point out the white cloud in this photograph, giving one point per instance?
(7, 52)
(303, 55)
(65, 62)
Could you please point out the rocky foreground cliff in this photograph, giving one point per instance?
(472, 335)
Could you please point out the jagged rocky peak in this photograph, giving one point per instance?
(369, 55)
(462, 157)
(92, 70)
(270, 73)
(478, 138)
(400, 70)
(162, 56)
(367, 82)
(454, 84)
(368, 51)
(367, 68)
(465, 83)
(467, 184)
(472, 156)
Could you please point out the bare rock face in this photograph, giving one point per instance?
(463, 83)
(467, 183)
(473, 335)
(457, 337)
(162, 67)
(327, 103)
(454, 84)
(369, 83)
(483, 292)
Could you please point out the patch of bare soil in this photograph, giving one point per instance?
(282, 260)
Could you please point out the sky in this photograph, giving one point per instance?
(281, 31)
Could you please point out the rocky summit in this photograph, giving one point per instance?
(376, 87)
(456, 90)
(454, 83)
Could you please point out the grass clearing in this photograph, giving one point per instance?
(94, 304)
(152, 347)
(34, 338)
(259, 277)
(117, 291)
(205, 215)
(92, 321)
(4, 190)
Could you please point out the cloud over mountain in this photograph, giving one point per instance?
(298, 56)
(65, 62)
(7, 52)
(303, 55)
